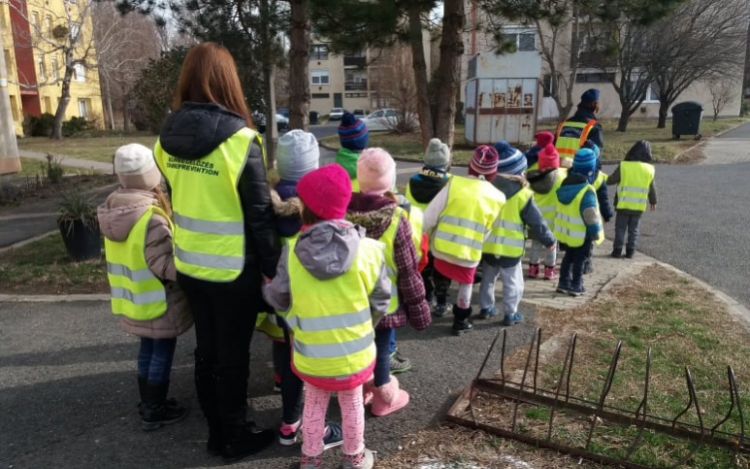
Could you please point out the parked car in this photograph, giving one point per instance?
(336, 114)
(283, 111)
(386, 119)
(282, 123)
(359, 113)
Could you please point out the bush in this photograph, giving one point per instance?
(55, 171)
(745, 108)
(75, 125)
(38, 126)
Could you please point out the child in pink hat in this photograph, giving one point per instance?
(332, 285)
(375, 208)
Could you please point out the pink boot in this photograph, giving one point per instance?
(550, 273)
(389, 398)
(533, 270)
(368, 391)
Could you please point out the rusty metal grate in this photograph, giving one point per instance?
(560, 399)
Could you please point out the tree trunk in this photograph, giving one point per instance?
(64, 101)
(108, 101)
(419, 64)
(663, 111)
(449, 79)
(125, 112)
(268, 73)
(299, 64)
(622, 124)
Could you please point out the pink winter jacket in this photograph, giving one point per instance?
(117, 216)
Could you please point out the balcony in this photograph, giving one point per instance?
(359, 62)
(355, 86)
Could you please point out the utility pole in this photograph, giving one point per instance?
(9, 160)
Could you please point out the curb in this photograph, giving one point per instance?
(52, 298)
(27, 241)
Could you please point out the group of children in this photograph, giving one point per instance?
(361, 261)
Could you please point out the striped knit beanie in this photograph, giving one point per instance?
(484, 163)
(353, 133)
(584, 162)
(510, 160)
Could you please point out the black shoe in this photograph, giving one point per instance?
(215, 443)
(588, 268)
(616, 254)
(156, 416)
(460, 328)
(247, 441)
(629, 253)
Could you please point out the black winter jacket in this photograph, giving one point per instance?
(193, 132)
(585, 115)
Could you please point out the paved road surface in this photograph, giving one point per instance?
(68, 391)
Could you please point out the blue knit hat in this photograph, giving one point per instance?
(510, 160)
(353, 133)
(584, 162)
(590, 96)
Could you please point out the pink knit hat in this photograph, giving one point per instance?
(376, 171)
(484, 162)
(544, 138)
(548, 158)
(326, 191)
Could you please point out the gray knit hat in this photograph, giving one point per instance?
(297, 155)
(438, 155)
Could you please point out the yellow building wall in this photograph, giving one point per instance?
(51, 13)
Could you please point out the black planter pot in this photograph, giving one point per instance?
(82, 242)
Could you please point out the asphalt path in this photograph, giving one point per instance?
(68, 391)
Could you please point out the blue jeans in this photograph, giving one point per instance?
(571, 269)
(155, 359)
(383, 359)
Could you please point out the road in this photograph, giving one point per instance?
(68, 390)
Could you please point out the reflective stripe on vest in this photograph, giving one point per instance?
(569, 145)
(136, 292)
(507, 237)
(269, 325)
(634, 186)
(388, 238)
(600, 180)
(355, 185)
(547, 203)
(570, 227)
(473, 206)
(416, 222)
(209, 234)
(330, 319)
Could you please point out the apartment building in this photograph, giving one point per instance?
(361, 79)
(528, 38)
(36, 68)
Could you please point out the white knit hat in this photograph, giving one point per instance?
(297, 155)
(136, 168)
(437, 155)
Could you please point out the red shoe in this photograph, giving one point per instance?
(533, 270)
(550, 273)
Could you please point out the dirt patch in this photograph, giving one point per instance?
(23, 190)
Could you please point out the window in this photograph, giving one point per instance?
(83, 108)
(14, 107)
(42, 71)
(524, 40)
(319, 52)
(550, 86)
(355, 80)
(595, 77)
(47, 105)
(321, 96)
(34, 19)
(319, 77)
(652, 94)
(54, 68)
(75, 29)
(48, 25)
(80, 72)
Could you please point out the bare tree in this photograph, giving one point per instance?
(299, 66)
(65, 32)
(124, 43)
(701, 39)
(448, 77)
(722, 93)
(393, 86)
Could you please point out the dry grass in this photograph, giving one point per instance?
(685, 326)
(98, 146)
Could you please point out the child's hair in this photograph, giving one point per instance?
(163, 200)
(391, 195)
(307, 216)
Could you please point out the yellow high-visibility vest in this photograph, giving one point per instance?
(507, 237)
(136, 292)
(416, 221)
(330, 320)
(568, 146)
(570, 228)
(388, 238)
(635, 183)
(209, 234)
(600, 180)
(355, 185)
(473, 206)
(413, 201)
(269, 325)
(547, 203)
(533, 167)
